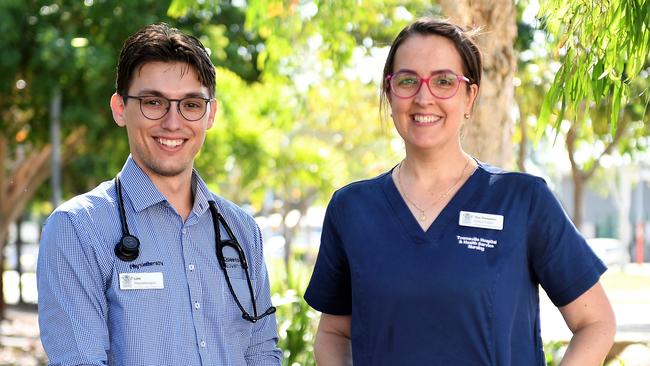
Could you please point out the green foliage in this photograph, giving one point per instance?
(554, 350)
(303, 127)
(70, 46)
(605, 45)
(297, 322)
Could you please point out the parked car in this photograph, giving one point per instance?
(610, 250)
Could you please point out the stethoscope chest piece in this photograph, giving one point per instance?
(128, 248)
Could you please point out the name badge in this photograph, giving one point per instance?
(142, 281)
(480, 220)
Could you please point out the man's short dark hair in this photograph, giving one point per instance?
(160, 42)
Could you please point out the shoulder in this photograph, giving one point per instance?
(362, 187)
(499, 175)
(228, 209)
(500, 181)
(87, 222)
(102, 199)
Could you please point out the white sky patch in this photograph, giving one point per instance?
(402, 14)
(308, 10)
(367, 68)
(530, 13)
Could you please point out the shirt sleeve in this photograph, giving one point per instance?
(263, 348)
(330, 290)
(72, 307)
(564, 264)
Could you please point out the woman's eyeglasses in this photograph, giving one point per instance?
(442, 84)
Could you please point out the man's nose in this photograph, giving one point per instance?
(173, 120)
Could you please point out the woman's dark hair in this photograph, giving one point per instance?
(160, 42)
(462, 39)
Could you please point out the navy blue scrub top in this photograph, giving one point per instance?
(465, 292)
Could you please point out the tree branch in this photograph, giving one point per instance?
(620, 132)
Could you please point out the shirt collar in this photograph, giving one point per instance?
(201, 194)
(137, 185)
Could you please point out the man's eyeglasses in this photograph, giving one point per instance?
(442, 84)
(154, 107)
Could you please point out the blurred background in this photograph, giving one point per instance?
(565, 96)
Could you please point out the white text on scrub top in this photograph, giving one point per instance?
(475, 243)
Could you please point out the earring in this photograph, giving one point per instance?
(466, 115)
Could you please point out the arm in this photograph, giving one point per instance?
(591, 319)
(71, 303)
(333, 345)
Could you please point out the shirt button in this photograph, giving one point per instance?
(184, 231)
(202, 344)
(197, 305)
(191, 267)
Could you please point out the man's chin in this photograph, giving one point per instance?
(168, 171)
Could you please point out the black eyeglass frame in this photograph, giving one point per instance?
(233, 243)
(178, 105)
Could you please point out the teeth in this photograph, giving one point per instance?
(425, 119)
(169, 143)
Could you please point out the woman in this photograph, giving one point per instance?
(438, 261)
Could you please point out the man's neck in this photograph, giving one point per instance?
(178, 191)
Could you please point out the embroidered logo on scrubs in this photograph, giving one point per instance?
(480, 244)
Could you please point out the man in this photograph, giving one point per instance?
(127, 273)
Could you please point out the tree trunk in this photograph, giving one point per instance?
(581, 176)
(488, 134)
(578, 192)
(3, 239)
(19, 183)
(523, 145)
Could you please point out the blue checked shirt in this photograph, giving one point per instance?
(87, 317)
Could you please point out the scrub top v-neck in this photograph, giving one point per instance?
(447, 215)
(465, 292)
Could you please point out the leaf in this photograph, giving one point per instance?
(616, 106)
(178, 8)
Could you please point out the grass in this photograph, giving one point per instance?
(629, 279)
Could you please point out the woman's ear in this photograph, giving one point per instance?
(118, 107)
(472, 93)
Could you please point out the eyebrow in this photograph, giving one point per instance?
(156, 93)
(430, 73)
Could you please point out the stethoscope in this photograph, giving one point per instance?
(128, 249)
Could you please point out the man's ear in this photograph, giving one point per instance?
(117, 107)
(213, 111)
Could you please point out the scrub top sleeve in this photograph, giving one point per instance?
(329, 290)
(562, 261)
